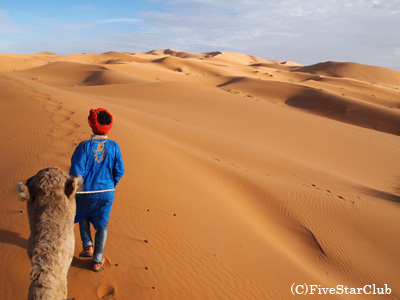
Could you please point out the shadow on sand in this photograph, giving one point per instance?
(13, 238)
(379, 194)
(82, 263)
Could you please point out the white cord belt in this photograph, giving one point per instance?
(95, 192)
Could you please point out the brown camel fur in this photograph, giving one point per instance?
(50, 196)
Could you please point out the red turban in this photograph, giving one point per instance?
(100, 125)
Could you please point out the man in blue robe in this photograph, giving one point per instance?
(100, 164)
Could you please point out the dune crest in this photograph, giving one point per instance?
(244, 175)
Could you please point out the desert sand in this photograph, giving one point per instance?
(243, 177)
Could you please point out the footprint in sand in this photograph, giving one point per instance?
(63, 126)
(59, 118)
(60, 132)
(65, 112)
(52, 107)
(105, 291)
(70, 124)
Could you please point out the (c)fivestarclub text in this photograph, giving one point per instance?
(317, 289)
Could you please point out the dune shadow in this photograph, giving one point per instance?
(345, 109)
(318, 102)
(379, 194)
(159, 60)
(13, 238)
(234, 80)
(212, 54)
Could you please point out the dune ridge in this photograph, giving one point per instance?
(243, 175)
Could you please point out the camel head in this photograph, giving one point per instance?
(48, 183)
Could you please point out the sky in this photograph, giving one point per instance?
(303, 31)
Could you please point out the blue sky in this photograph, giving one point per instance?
(305, 31)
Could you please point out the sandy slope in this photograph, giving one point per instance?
(243, 175)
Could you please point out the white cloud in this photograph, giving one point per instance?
(122, 20)
(305, 30)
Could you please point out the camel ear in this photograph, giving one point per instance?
(23, 191)
(73, 185)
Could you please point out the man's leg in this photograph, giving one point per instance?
(87, 243)
(99, 242)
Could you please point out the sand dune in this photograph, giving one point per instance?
(243, 175)
(371, 74)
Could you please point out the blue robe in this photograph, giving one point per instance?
(99, 162)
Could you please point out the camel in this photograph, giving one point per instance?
(50, 196)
